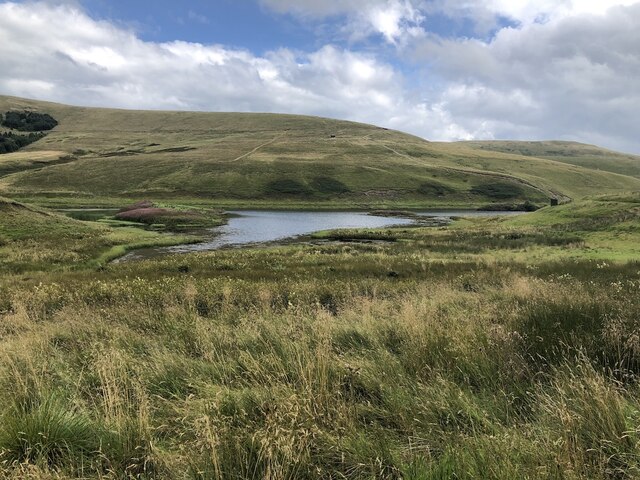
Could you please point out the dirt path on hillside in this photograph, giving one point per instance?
(259, 147)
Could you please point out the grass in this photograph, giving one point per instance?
(571, 153)
(490, 348)
(34, 239)
(232, 159)
(22, 161)
(451, 352)
(45, 431)
(254, 375)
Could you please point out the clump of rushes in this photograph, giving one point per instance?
(46, 431)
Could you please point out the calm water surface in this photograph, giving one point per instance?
(248, 227)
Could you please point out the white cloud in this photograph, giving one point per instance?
(574, 78)
(63, 55)
(523, 11)
(571, 77)
(396, 21)
(530, 10)
(387, 15)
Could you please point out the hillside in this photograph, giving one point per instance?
(573, 153)
(37, 239)
(271, 159)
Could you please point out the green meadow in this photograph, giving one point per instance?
(491, 348)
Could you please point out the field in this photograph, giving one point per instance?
(492, 348)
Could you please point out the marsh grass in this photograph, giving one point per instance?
(45, 431)
(312, 361)
(416, 377)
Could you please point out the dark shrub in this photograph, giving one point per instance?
(11, 142)
(29, 121)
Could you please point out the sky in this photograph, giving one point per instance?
(440, 69)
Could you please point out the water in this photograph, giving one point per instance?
(261, 227)
(249, 227)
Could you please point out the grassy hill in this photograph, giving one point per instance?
(37, 239)
(270, 159)
(579, 154)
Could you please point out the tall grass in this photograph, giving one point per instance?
(45, 431)
(472, 371)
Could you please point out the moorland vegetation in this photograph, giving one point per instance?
(490, 348)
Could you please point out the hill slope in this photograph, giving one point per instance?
(573, 153)
(37, 239)
(271, 158)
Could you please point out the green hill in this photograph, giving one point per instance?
(573, 153)
(272, 159)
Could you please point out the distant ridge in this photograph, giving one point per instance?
(573, 153)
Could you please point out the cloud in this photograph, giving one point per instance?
(64, 55)
(395, 20)
(549, 69)
(574, 77)
(524, 12)
(571, 77)
(517, 9)
(528, 11)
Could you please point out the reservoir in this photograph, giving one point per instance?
(252, 227)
